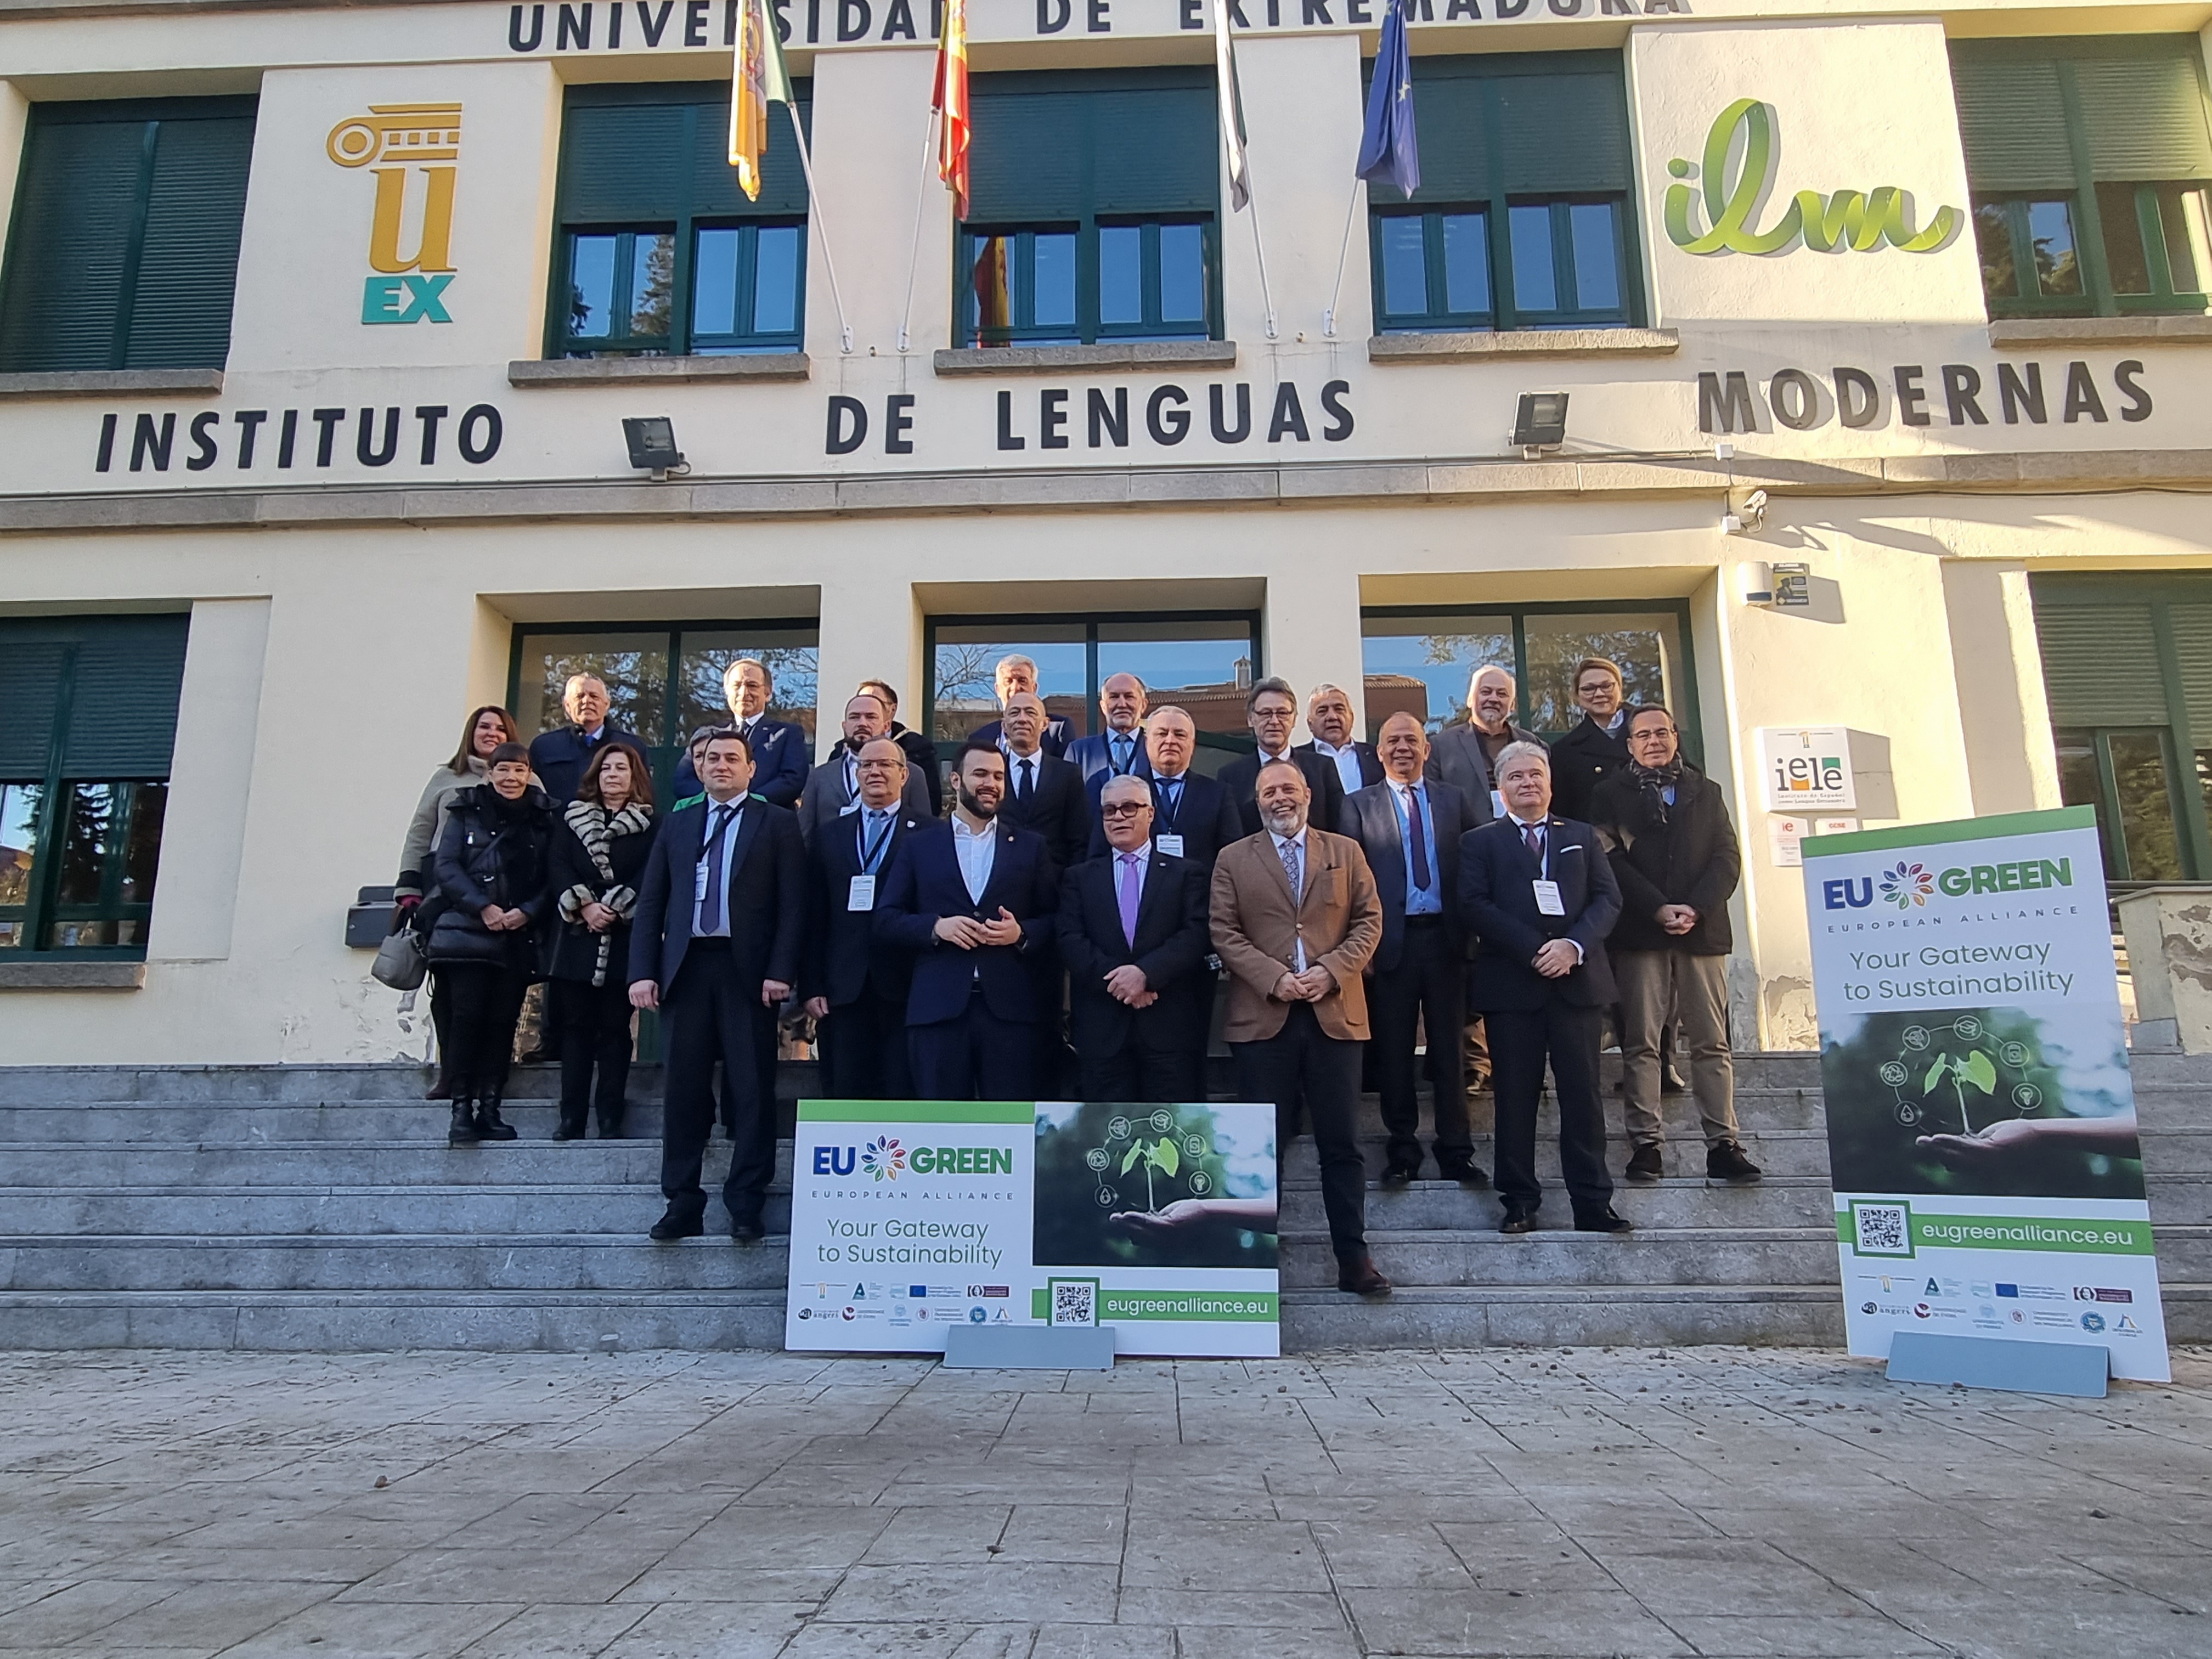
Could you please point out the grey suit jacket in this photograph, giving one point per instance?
(1456, 757)
(824, 796)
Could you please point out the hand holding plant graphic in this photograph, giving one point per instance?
(1975, 1071)
(1160, 1154)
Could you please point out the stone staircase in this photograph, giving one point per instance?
(319, 1208)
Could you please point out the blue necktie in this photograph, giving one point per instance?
(711, 907)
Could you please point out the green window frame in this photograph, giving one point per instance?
(2127, 677)
(84, 778)
(657, 253)
(1526, 214)
(2090, 164)
(1093, 209)
(123, 244)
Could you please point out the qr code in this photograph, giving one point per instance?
(1881, 1229)
(1074, 1302)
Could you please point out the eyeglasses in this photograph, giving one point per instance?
(875, 766)
(1128, 809)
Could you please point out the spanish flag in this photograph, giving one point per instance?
(759, 79)
(950, 98)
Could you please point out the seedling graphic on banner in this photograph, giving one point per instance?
(1987, 1177)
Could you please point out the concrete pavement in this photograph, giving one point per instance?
(1563, 1502)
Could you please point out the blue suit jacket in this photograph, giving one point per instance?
(560, 756)
(1093, 757)
(1057, 736)
(1206, 820)
(781, 763)
(1498, 904)
(924, 884)
(1370, 817)
(767, 896)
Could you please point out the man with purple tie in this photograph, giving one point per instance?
(1133, 935)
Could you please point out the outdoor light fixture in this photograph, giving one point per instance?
(1541, 422)
(652, 440)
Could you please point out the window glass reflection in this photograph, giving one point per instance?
(2146, 807)
(776, 279)
(1466, 262)
(1645, 646)
(704, 658)
(19, 837)
(1535, 283)
(964, 675)
(1597, 257)
(591, 286)
(1054, 275)
(1404, 279)
(1203, 668)
(714, 283)
(1120, 273)
(1182, 273)
(2051, 234)
(1421, 665)
(633, 665)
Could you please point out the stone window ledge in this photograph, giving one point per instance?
(658, 370)
(49, 974)
(114, 383)
(2032, 333)
(1490, 346)
(1134, 355)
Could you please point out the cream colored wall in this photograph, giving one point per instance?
(14, 116)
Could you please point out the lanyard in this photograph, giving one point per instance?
(872, 851)
(1543, 830)
(1171, 796)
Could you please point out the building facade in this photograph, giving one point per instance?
(1882, 330)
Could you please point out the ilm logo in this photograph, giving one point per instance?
(392, 140)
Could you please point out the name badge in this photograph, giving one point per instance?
(1497, 804)
(699, 882)
(1170, 844)
(861, 894)
(1547, 898)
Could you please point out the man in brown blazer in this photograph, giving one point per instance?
(1295, 919)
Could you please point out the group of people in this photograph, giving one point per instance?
(1069, 906)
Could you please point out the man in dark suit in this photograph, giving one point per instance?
(972, 901)
(559, 756)
(1329, 718)
(1043, 795)
(781, 757)
(1019, 673)
(715, 943)
(1133, 932)
(1119, 750)
(1271, 709)
(855, 985)
(1193, 817)
(1537, 891)
(834, 786)
(1409, 827)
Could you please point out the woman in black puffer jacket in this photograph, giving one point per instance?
(492, 867)
(599, 858)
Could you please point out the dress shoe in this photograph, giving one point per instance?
(1646, 1165)
(462, 1130)
(1468, 1174)
(541, 1055)
(1726, 1162)
(491, 1126)
(677, 1224)
(1397, 1175)
(747, 1232)
(1603, 1221)
(1519, 1218)
(570, 1128)
(1361, 1277)
(610, 1128)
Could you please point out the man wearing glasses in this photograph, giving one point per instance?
(833, 789)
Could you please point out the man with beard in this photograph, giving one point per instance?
(973, 901)
(1297, 921)
(834, 785)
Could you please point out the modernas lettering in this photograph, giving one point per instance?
(1914, 394)
(693, 25)
(1740, 161)
(279, 439)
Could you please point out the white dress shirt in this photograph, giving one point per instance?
(719, 928)
(976, 849)
(1305, 877)
(1542, 827)
(1348, 763)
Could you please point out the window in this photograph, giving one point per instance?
(1420, 661)
(2127, 671)
(123, 250)
(84, 772)
(658, 253)
(2089, 161)
(1203, 662)
(1092, 211)
(645, 697)
(1522, 218)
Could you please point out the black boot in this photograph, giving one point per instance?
(491, 1126)
(611, 1125)
(462, 1131)
(570, 1125)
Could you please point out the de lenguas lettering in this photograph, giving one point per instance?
(1110, 418)
(281, 438)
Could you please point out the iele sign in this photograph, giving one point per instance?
(1807, 767)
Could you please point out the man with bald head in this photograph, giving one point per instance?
(854, 987)
(834, 786)
(1409, 825)
(1133, 935)
(1043, 794)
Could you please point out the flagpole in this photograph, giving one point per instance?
(821, 225)
(1259, 248)
(1329, 317)
(920, 194)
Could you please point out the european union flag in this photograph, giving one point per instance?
(1388, 149)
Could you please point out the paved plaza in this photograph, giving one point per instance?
(1583, 1502)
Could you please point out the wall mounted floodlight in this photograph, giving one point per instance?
(652, 440)
(1541, 422)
